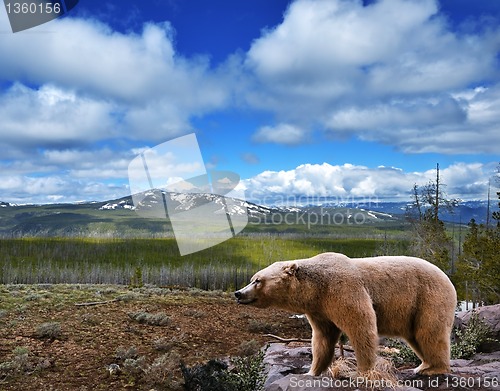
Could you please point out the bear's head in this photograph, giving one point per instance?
(270, 286)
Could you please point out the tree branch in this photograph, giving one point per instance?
(340, 346)
(95, 303)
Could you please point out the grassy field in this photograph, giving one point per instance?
(157, 261)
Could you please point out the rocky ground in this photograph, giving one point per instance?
(288, 364)
(93, 337)
(134, 340)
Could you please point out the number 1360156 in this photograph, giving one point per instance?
(33, 8)
(477, 383)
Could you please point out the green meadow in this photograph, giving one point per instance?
(157, 261)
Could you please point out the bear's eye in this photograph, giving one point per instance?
(257, 281)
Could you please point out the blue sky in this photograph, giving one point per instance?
(319, 98)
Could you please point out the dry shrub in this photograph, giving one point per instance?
(343, 367)
(383, 373)
(159, 319)
(49, 330)
(248, 348)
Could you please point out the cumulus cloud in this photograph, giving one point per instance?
(86, 55)
(281, 134)
(388, 72)
(309, 183)
(22, 189)
(66, 175)
(391, 71)
(91, 82)
(52, 116)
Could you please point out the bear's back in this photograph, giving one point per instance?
(399, 286)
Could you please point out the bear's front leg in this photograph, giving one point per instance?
(324, 337)
(359, 322)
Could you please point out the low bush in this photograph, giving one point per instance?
(247, 374)
(123, 353)
(401, 354)
(470, 338)
(49, 330)
(23, 362)
(159, 319)
(161, 372)
(248, 348)
(165, 344)
(259, 326)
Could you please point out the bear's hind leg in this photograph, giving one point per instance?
(434, 351)
(324, 337)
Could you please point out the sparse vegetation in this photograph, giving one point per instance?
(165, 344)
(161, 372)
(101, 347)
(49, 330)
(400, 354)
(470, 338)
(22, 362)
(248, 348)
(260, 326)
(246, 374)
(159, 319)
(123, 353)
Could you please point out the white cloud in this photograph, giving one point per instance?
(50, 115)
(386, 72)
(95, 83)
(66, 175)
(392, 72)
(86, 55)
(312, 182)
(281, 134)
(22, 189)
(319, 37)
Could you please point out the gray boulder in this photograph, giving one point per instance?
(491, 316)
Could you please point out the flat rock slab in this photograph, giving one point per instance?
(288, 365)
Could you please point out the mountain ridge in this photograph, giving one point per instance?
(122, 217)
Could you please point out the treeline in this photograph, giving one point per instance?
(473, 263)
(477, 273)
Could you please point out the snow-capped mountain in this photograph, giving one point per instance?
(179, 202)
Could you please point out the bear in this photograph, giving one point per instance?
(393, 296)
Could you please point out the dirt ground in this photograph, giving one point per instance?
(133, 328)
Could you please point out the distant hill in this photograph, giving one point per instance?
(464, 212)
(118, 218)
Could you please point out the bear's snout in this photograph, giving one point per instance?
(244, 297)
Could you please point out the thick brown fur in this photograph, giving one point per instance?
(394, 296)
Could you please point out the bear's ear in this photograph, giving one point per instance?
(291, 268)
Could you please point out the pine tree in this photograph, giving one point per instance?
(478, 269)
(429, 237)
